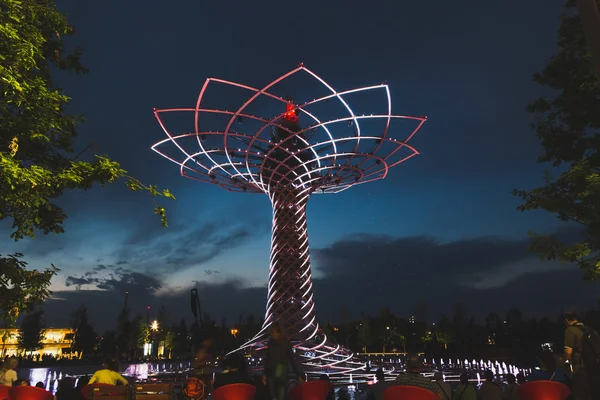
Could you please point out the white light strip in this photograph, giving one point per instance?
(290, 214)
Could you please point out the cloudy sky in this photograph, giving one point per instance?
(441, 228)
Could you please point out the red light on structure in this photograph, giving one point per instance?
(291, 113)
(296, 164)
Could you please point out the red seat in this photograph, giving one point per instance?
(408, 393)
(311, 390)
(4, 391)
(543, 390)
(87, 389)
(235, 391)
(29, 393)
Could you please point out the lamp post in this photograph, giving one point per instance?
(153, 331)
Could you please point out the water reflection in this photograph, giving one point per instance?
(451, 369)
(51, 375)
(142, 371)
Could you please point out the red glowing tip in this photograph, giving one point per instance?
(291, 113)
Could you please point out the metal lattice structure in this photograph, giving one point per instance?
(289, 162)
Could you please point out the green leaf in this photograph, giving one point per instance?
(39, 161)
(568, 126)
(166, 193)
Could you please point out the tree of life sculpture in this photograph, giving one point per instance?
(289, 162)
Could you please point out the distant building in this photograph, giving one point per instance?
(57, 342)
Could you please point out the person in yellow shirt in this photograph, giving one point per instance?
(108, 374)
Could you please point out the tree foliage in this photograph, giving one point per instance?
(32, 332)
(108, 343)
(176, 340)
(21, 289)
(365, 337)
(568, 126)
(141, 332)
(38, 156)
(85, 337)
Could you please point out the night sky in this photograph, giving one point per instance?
(442, 228)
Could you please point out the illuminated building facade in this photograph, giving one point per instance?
(243, 152)
(57, 342)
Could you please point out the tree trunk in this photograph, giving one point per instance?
(290, 298)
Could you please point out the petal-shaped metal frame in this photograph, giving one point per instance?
(325, 170)
(289, 174)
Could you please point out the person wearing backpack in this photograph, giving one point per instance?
(582, 352)
(197, 386)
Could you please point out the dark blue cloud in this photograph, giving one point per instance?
(460, 66)
(363, 273)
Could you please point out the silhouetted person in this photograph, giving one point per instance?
(413, 376)
(262, 388)
(510, 390)
(278, 357)
(465, 391)
(234, 371)
(8, 373)
(66, 390)
(203, 358)
(108, 374)
(376, 390)
(199, 385)
(40, 385)
(20, 382)
(548, 370)
(489, 389)
(585, 379)
(331, 394)
(445, 388)
(81, 382)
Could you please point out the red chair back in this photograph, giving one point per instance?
(543, 390)
(235, 391)
(311, 390)
(87, 389)
(408, 393)
(110, 392)
(4, 390)
(153, 391)
(29, 393)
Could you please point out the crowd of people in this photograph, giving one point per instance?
(68, 388)
(580, 371)
(488, 390)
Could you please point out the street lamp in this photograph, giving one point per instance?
(154, 325)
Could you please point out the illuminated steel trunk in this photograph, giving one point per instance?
(290, 299)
